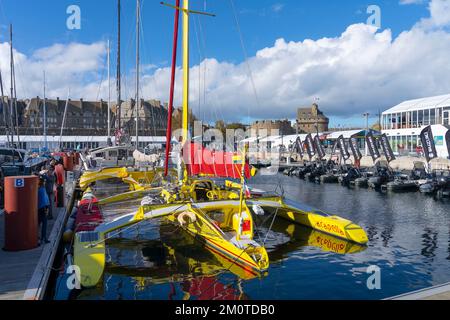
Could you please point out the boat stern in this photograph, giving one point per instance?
(89, 257)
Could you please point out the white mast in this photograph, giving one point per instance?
(11, 66)
(45, 116)
(109, 91)
(64, 119)
(138, 102)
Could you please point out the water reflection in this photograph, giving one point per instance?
(409, 239)
(429, 241)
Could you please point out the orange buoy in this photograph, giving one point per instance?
(21, 213)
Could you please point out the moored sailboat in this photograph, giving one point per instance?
(221, 216)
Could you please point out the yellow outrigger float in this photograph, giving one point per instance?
(221, 217)
(219, 224)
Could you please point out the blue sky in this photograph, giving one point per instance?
(42, 24)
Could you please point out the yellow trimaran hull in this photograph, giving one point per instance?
(89, 256)
(240, 250)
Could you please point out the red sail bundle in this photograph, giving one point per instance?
(202, 161)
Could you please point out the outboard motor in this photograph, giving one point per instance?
(383, 176)
(351, 175)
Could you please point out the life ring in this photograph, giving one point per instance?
(211, 195)
(189, 215)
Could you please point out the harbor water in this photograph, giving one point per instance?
(409, 241)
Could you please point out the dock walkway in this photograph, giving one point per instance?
(440, 292)
(24, 274)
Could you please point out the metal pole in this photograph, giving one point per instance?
(3, 107)
(64, 119)
(45, 116)
(11, 85)
(138, 102)
(15, 104)
(185, 70)
(109, 91)
(172, 87)
(118, 80)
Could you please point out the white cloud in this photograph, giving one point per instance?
(361, 70)
(277, 7)
(75, 65)
(439, 15)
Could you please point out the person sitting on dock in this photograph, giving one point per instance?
(43, 204)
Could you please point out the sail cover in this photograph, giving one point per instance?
(202, 161)
(355, 149)
(319, 148)
(387, 148)
(310, 146)
(372, 146)
(343, 147)
(429, 147)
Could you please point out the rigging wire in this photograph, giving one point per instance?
(205, 62)
(199, 66)
(247, 62)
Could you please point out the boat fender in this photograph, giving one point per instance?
(258, 210)
(68, 236)
(186, 218)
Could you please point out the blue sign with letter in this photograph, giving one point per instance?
(19, 183)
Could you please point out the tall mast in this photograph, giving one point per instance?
(11, 85)
(118, 82)
(185, 70)
(45, 115)
(63, 123)
(109, 91)
(3, 106)
(138, 102)
(15, 104)
(172, 87)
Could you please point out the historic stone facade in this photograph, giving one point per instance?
(265, 127)
(310, 118)
(152, 117)
(84, 118)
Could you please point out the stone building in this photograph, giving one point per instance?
(152, 117)
(310, 118)
(6, 110)
(265, 127)
(84, 118)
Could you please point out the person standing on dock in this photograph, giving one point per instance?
(50, 180)
(43, 204)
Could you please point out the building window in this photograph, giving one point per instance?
(420, 118)
(414, 119)
(426, 117)
(432, 116)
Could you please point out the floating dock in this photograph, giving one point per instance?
(24, 275)
(440, 292)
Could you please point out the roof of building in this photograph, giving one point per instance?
(421, 104)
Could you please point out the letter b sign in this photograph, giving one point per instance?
(19, 183)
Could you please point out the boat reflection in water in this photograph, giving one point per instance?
(184, 269)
